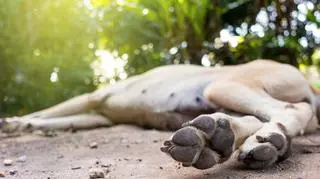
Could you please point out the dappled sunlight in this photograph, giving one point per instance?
(108, 67)
(205, 61)
(54, 77)
(88, 4)
(227, 37)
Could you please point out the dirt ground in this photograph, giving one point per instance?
(126, 151)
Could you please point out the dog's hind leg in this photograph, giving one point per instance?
(82, 103)
(76, 105)
(79, 121)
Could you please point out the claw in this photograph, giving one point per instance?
(261, 139)
(167, 143)
(164, 149)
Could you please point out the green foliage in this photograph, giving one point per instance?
(192, 29)
(37, 38)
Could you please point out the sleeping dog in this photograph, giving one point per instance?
(254, 108)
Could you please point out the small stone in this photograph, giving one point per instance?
(161, 168)
(93, 145)
(72, 130)
(96, 173)
(13, 172)
(45, 133)
(126, 159)
(137, 142)
(123, 141)
(106, 141)
(75, 168)
(51, 133)
(2, 175)
(143, 91)
(106, 166)
(139, 160)
(8, 162)
(106, 170)
(38, 132)
(306, 151)
(22, 159)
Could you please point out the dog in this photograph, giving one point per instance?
(254, 108)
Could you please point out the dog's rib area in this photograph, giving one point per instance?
(161, 99)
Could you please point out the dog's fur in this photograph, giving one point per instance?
(255, 108)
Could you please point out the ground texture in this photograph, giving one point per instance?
(126, 151)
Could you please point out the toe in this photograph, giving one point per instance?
(264, 152)
(223, 139)
(277, 140)
(204, 123)
(261, 153)
(186, 137)
(259, 157)
(185, 146)
(206, 160)
(182, 154)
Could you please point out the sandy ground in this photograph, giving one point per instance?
(126, 151)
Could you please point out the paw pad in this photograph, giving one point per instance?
(268, 150)
(204, 123)
(185, 145)
(206, 159)
(186, 137)
(275, 139)
(202, 142)
(222, 139)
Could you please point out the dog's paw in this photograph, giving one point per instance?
(13, 125)
(260, 151)
(7, 126)
(202, 142)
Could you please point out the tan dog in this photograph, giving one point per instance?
(255, 108)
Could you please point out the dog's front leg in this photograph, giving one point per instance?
(273, 141)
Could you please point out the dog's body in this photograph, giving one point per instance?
(265, 104)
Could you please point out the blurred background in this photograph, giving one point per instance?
(51, 50)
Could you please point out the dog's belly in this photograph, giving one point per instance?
(162, 100)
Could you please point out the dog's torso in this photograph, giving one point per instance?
(176, 92)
